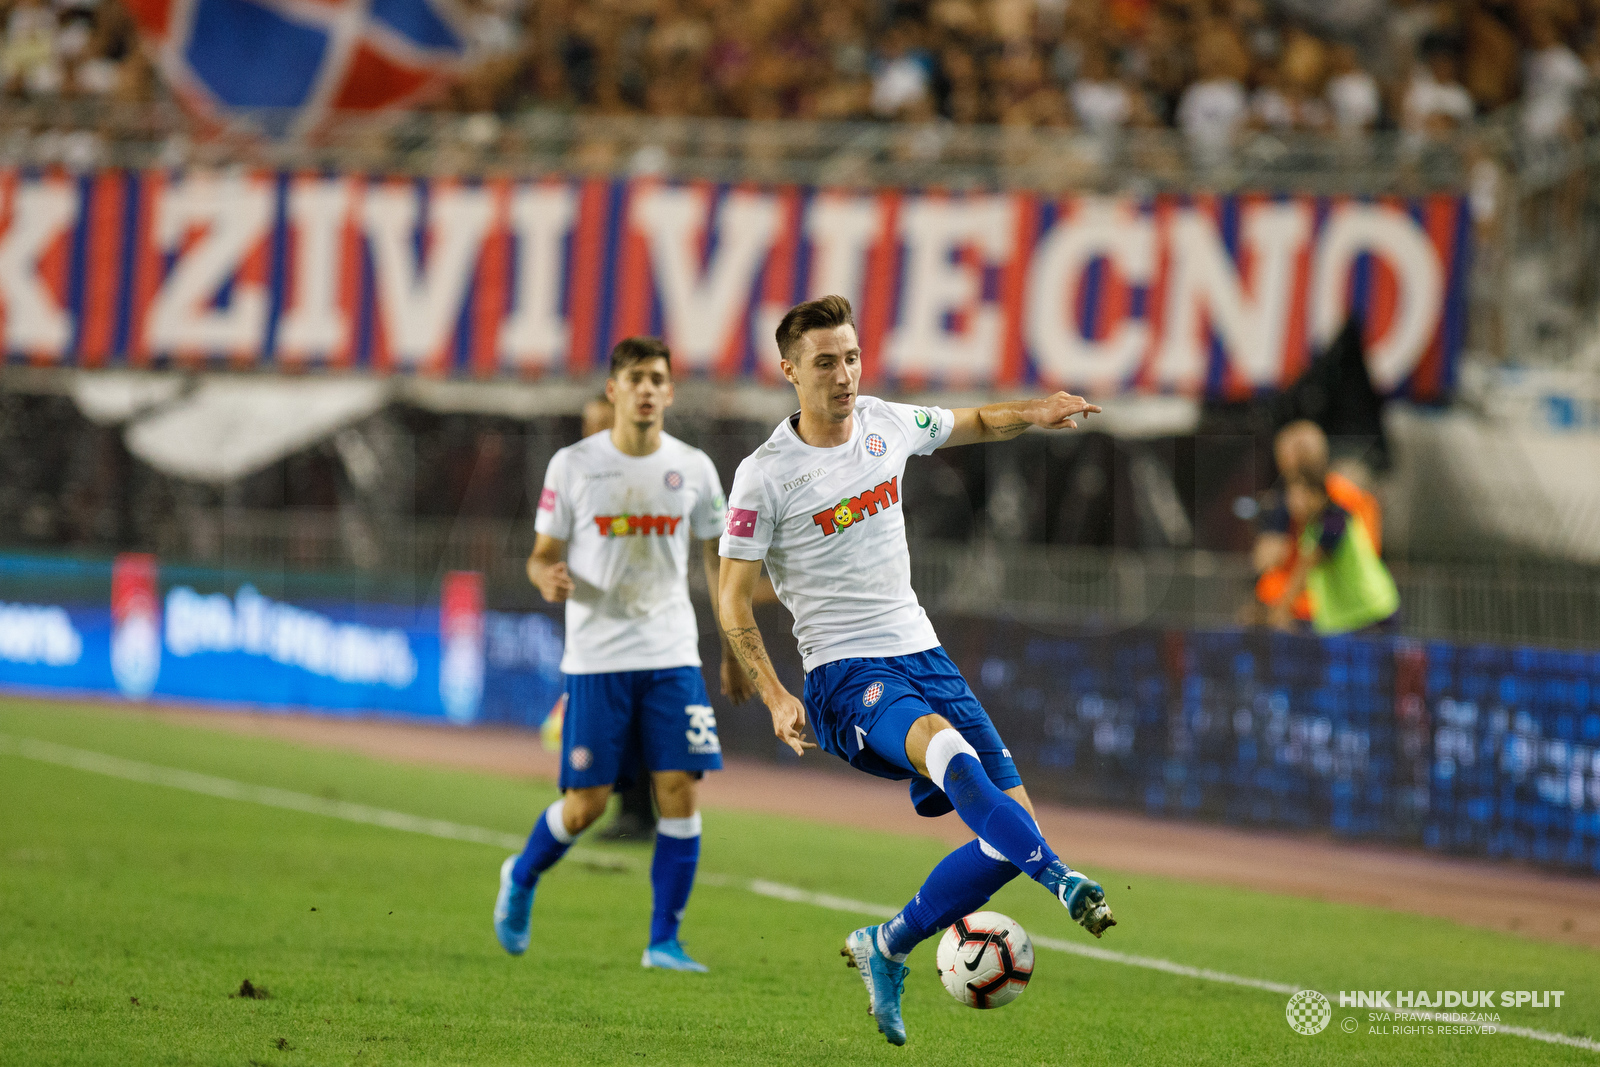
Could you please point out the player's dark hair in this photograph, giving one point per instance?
(631, 350)
(824, 313)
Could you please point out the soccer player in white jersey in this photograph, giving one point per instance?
(614, 526)
(820, 503)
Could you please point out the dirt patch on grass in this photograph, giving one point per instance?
(1494, 895)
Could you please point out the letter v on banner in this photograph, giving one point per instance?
(420, 291)
(705, 274)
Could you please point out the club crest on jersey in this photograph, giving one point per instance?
(873, 694)
(674, 481)
(853, 509)
(637, 525)
(875, 445)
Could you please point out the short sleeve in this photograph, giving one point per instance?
(750, 521)
(710, 511)
(554, 517)
(926, 427)
(1335, 520)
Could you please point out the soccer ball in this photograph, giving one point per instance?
(985, 960)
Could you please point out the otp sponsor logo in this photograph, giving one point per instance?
(852, 510)
(637, 525)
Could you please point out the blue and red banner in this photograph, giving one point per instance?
(291, 62)
(1224, 297)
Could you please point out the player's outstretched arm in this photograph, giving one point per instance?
(547, 569)
(736, 596)
(1003, 421)
(737, 685)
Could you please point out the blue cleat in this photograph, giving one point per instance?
(885, 980)
(669, 956)
(511, 911)
(1084, 900)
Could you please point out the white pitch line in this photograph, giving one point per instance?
(269, 796)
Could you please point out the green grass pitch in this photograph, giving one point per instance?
(130, 912)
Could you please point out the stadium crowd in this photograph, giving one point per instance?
(1208, 67)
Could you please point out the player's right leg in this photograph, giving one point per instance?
(594, 746)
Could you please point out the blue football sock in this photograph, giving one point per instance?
(962, 883)
(672, 874)
(995, 817)
(547, 843)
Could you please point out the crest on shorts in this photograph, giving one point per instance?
(674, 480)
(873, 694)
(580, 758)
(875, 444)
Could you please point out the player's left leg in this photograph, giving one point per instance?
(679, 734)
(938, 751)
(672, 868)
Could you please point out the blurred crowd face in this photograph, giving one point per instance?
(826, 372)
(641, 392)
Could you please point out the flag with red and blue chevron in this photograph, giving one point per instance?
(290, 63)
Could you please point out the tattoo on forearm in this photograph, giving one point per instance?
(752, 651)
(1010, 427)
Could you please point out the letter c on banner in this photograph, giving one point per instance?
(1119, 232)
(1394, 237)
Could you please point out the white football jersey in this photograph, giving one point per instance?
(628, 522)
(828, 522)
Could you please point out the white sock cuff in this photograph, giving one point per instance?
(555, 821)
(946, 745)
(682, 829)
(990, 851)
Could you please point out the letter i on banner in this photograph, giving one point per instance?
(135, 624)
(461, 645)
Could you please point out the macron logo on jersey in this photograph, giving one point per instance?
(852, 510)
(741, 522)
(637, 525)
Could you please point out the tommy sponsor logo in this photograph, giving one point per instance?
(673, 480)
(804, 478)
(873, 694)
(637, 525)
(852, 510)
(875, 444)
(741, 522)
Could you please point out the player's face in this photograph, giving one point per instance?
(827, 372)
(641, 392)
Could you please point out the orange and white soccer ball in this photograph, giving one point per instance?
(985, 960)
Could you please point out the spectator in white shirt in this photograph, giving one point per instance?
(1436, 103)
(1213, 107)
(1100, 102)
(1352, 93)
(1552, 76)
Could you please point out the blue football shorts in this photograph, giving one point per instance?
(624, 722)
(862, 709)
